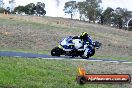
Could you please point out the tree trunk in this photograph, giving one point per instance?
(80, 17)
(71, 16)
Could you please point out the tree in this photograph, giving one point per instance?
(40, 8)
(12, 4)
(121, 15)
(90, 8)
(8, 10)
(70, 8)
(30, 9)
(107, 14)
(19, 9)
(1, 3)
(2, 10)
(81, 7)
(122, 12)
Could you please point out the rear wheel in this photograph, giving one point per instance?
(56, 51)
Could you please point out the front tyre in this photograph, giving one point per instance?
(56, 51)
(88, 55)
(93, 52)
(84, 57)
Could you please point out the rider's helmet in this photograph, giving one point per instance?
(84, 35)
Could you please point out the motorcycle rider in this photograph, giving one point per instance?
(86, 38)
(87, 42)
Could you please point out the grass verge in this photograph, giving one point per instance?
(25, 51)
(39, 73)
(112, 57)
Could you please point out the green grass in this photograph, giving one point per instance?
(25, 51)
(33, 25)
(38, 73)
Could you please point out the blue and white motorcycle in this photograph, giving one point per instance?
(74, 47)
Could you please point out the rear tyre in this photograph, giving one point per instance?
(56, 51)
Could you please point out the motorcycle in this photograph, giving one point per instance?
(74, 47)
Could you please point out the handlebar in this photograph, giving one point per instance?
(97, 44)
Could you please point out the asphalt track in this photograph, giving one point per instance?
(44, 56)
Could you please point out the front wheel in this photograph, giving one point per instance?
(56, 51)
(93, 52)
(88, 55)
(84, 57)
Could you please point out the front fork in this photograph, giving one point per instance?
(60, 46)
(88, 51)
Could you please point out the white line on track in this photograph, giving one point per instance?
(83, 60)
(112, 61)
(17, 56)
(127, 62)
(89, 60)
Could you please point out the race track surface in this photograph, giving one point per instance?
(44, 56)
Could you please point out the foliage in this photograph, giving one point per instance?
(116, 17)
(70, 8)
(122, 12)
(19, 9)
(8, 9)
(90, 8)
(2, 10)
(31, 9)
(81, 8)
(1, 3)
(107, 14)
(40, 8)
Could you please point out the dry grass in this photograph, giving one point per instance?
(43, 33)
